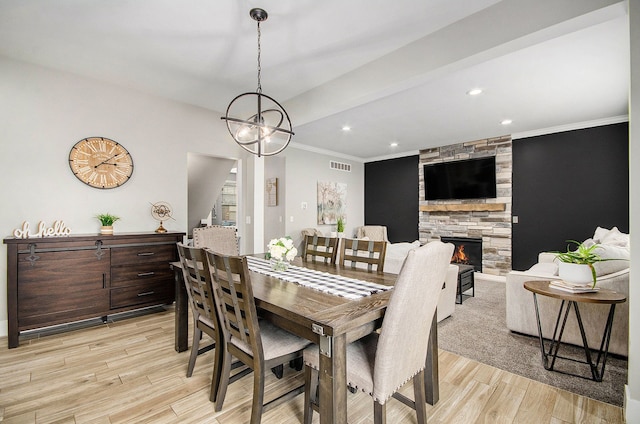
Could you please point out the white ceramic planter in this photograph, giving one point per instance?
(575, 273)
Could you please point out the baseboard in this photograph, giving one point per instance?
(631, 407)
(4, 328)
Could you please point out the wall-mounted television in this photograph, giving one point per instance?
(462, 179)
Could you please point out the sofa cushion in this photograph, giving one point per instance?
(544, 268)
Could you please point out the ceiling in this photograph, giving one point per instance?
(394, 71)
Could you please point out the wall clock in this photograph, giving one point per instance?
(100, 162)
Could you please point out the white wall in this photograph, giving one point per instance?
(632, 405)
(274, 216)
(43, 113)
(304, 170)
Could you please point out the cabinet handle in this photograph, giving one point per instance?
(146, 274)
(146, 254)
(145, 293)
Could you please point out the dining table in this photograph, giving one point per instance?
(325, 318)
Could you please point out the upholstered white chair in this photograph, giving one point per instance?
(218, 238)
(311, 232)
(381, 363)
(372, 232)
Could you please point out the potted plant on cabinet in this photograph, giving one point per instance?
(107, 220)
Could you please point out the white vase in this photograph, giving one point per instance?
(279, 264)
(575, 273)
(340, 235)
(106, 230)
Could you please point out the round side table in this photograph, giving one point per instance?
(569, 301)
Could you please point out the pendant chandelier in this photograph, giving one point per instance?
(257, 122)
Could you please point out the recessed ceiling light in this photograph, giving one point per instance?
(474, 91)
(346, 128)
(393, 144)
(506, 121)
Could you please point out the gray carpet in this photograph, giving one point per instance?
(477, 330)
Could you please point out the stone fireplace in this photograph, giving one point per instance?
(467, 251)
(487, 220)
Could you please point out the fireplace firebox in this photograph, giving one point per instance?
(467, 251)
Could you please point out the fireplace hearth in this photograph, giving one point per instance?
(467, 251)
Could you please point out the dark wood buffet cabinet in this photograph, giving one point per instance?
(57, 280)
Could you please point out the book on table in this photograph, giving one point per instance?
(573, 287)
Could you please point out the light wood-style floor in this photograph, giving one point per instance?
(128, 372)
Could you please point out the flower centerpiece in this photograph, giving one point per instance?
(281, 251)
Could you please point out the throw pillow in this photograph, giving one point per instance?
(607, 251)
(599, 234)
(615, 238)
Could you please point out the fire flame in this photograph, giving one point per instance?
(459, 256)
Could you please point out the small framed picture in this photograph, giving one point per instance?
(272, 191)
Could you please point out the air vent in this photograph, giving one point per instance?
(340, 166)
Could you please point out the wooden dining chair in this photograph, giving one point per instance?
(258, 344)
(197, 280)
(218, 238)
(315, 248)
(368, 252)
(381, 363)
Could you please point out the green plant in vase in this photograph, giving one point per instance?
(582, 256)
(340, 225)
(107, 220)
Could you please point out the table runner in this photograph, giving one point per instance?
(350, 288)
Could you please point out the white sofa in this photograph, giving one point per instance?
(613, 275)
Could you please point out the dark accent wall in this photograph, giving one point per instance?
(565, 185)
(391, 197)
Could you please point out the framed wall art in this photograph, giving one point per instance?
(272, 191)
(332, 202)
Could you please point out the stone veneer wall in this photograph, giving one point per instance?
(493, 227)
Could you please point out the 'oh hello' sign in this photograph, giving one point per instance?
(57, 229)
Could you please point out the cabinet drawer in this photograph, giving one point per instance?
(134, 274)
(143, 254)
(149, 292)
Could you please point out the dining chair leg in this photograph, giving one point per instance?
(278, 371)
(225, 374)
(310, 392)
(296, 364)
(195, 346)
(258, 395)
(218, 360)
(420, 397)
(379, 413)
